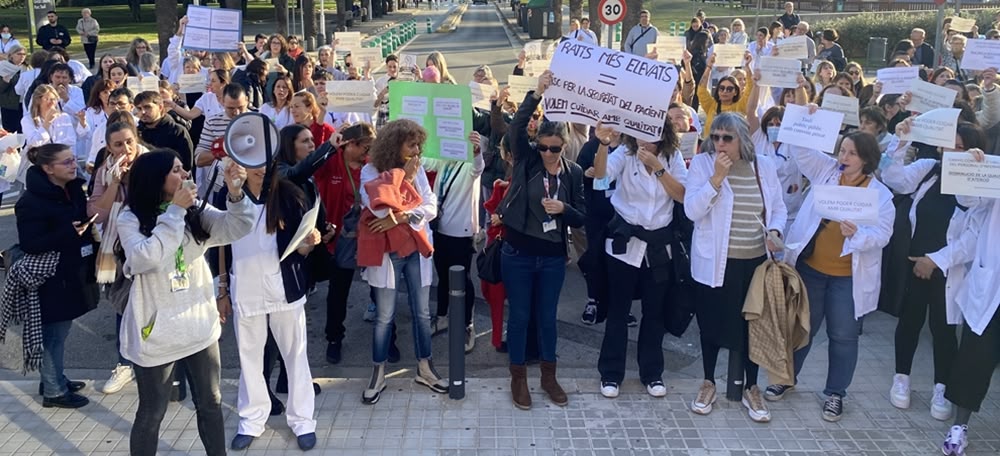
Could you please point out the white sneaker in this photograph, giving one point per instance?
(656, 389)
(120, 376)
(956, 441)
(941, 408)
(899, 395)
(470, 338)
(702, 404)
(609, 390)
(756, 407)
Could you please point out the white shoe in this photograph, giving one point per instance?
(470, 338)
(941, 408)
(956, 441)
(756, 407)
(656, 389)
(702, 404)
(120, 376)
(609, 390)
(899, 395)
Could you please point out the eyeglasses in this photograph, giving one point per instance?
(66, 162)
(536, 116)
(552, 149)
(118, 104)
(853, 72)
(727, 88)
(724, 138)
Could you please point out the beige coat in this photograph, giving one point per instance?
(88, 29)
(777, 314)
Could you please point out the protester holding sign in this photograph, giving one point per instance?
(725, 97)
(839, 260)
(728, 184)
(650, 177)
(534, 253)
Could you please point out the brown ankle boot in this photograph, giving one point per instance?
(519, 387)
(551, 386)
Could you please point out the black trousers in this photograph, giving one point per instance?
(453, 251)
(921, 296)
(611, 363)
(594, 266)
(973, 369)
(336, 301)
(90, 49)
(12, 119)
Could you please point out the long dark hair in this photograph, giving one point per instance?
(666, 146)
(145, 193)
(287, 136)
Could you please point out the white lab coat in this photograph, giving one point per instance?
(865, 246)
(712, 214)
(979, 294)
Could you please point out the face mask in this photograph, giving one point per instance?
(772, 133)
(5, 36)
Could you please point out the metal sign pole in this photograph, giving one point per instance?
(31, 26)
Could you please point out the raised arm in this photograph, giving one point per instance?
(518, 130)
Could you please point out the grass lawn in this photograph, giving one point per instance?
(666, 11)
(117, 27)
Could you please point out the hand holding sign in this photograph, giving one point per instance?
(935, 128)
(544, 81)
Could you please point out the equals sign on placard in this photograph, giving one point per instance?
(607, 79)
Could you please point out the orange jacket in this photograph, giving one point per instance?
(390, 191)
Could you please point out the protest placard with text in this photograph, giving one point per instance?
(729, 55)
(779, 72)
(520, 86)
(817, 131)
(963, 175)
(981, 54)
(481, 94)
(935, 128)
(927, 97)
(213, 29)
(688, 144)
(591, 83)
(668, 48)
(848, 106)
(347, 41)
(367, 56)
(962, 24)
(897, 80)
(191, 83)
(858, 205)
(350, 96)
(445, 112)
(793, 47)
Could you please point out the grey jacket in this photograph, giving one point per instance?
(88, 28)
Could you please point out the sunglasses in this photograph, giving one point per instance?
(724, 138)
(536, 116)
(853, 73)
(727, 88)
(552, 149)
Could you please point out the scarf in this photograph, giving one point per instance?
(21, 305)
(106, 262)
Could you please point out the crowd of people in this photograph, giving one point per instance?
(129, 196)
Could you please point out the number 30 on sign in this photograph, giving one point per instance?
(611, 12)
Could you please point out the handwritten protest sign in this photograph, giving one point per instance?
(981, 54)
(350, 96)
(407, 67)
(839, 203)
(688, 144)
(535, 68)
(962, 24)
(136, 84)
(963, 175)
(367, 56)
(534, 50)
(591, 83)
(934, 128)
(927, 97)
(848, 106)
(817, 131)
(729, 55)
(779, 72)
(668, 48)
(897, 80)
(191, 83)
(520, 86)
(444, 110)
(213, 29)
(793, 47)
(348, 41)
(481, 94)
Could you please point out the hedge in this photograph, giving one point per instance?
(855, 31)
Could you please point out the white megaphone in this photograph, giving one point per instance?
(251, 140)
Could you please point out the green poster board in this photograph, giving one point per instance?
(444, 110)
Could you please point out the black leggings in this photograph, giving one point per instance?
(920, 296)
(710, 357)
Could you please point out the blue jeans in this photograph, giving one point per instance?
(53, 347)
(533, 284)
(385, 304)
(831, 298)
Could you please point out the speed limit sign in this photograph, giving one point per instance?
(611, 12)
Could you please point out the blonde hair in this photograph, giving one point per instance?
(36, 100)
(226, 60)
(437, 58)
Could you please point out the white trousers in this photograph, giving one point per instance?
(254, 405)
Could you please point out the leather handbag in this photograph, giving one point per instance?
(488, 262)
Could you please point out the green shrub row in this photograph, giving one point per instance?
(855, 31)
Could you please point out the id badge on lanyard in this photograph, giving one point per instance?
(549, 224)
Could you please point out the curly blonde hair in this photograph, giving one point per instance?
(384, 154)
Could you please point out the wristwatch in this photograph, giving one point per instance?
(659, 173)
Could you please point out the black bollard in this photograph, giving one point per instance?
(734, 387)
(456, 334)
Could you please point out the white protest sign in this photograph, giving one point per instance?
(962, 24)
(306, 226)
(407, 60)
(213, 29)
(407, 67)
(350, 96)
(348, 41)
(981, 54)
(793, 47)
(14, 140)
(779, 72)
(481, 94)
(848, 106)
(668, 48)
(272, 64)
(963, 175)
(897, 80)
(591, 83)
(934, 128)
(858, 205)
(534, 50)
(928, 97)
(367, 56)
(535, 68)
(520, 86)
(8, 69)
(688, 144)
(818, 131)
(729, 55)
(191, 83)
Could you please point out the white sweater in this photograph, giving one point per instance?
(459, 212)
(180, 323)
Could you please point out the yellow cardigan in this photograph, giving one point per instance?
(709, 105)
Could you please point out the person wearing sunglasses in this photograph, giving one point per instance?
(546, 198)
(650, 178)
(732, 195)
(857, 75)
(840, 262)
(726, 97)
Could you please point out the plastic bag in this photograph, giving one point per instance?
(10, 164)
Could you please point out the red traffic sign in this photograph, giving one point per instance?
(939, 2)
(611, 12)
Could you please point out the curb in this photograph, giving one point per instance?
(510, 25)
(450, 23)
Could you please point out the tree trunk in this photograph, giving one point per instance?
(342, 11)
(595, 22)
(281, 16)
(309, 28)
(557, 9)
(166, 24)
(135, 9)
(576, 9)
(631, 19)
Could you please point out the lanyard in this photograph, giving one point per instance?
(350, 176)
(179, 264)
(545, 182)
